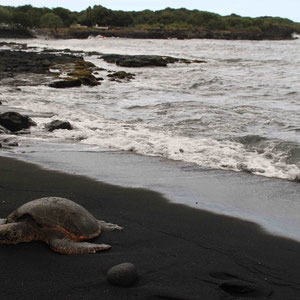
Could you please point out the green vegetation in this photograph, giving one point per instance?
(32, 17)
(50, 20)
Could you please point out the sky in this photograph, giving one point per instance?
(253, 8)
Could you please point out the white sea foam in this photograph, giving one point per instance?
(146, 140)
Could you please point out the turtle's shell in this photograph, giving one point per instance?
(60, 213)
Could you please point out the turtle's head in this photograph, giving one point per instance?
(12, 233)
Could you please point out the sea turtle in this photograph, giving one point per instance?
(59, 222)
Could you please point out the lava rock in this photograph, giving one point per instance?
(65, 83)
(124, 274)
(14, 121)
(57, 124)
(84, 74)
(121, 75)
(32, 62)
(135, 61)
(15, 32)
(89, 81)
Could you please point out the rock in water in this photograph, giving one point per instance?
(65, 84)
(121, 75)
(57, 124)
(124, 274)
(14, 121)
(136, 61)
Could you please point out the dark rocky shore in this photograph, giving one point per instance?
(79, 71)
(31, 62)
(25, 68)
(32, 68)
(15, 63)
(15, 33)
(136, 61)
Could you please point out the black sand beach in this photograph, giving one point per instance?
(180, 252)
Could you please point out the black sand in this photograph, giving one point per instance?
(180, 252)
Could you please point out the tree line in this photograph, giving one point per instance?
(32, 17)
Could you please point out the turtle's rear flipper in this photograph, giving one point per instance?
(66, 246)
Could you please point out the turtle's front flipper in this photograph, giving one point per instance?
(66, 246)
(3, 221)
(109, 226)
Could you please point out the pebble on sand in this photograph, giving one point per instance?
(124, 274)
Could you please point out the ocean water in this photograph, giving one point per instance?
(238, 113)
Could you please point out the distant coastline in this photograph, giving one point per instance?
(172, 34)
(181, 34)
(26, 21)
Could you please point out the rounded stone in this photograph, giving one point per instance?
(124, 274)
(58, 124)
(14, 121)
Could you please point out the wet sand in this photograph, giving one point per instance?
(180, 252)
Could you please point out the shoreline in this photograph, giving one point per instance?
(180, 252)
(241, 195)
(267, 203)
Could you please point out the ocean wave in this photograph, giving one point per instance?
(251, 153)
(190, 140)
